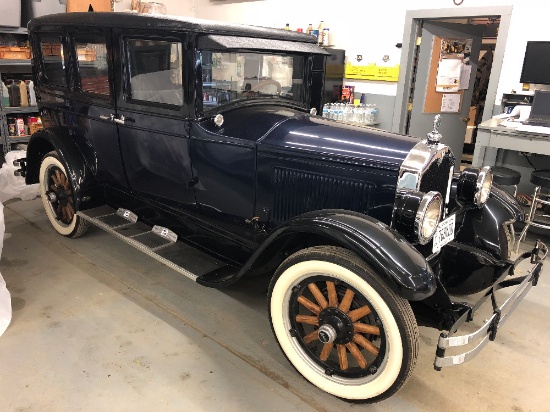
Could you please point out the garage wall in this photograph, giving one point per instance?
(370, 29)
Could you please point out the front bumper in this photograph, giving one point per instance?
(501, 313)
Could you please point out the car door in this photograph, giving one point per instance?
(91, 101)
(152, 112)
(225, 169)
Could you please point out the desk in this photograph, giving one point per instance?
(491, 136)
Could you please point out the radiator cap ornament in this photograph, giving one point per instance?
(434, 136)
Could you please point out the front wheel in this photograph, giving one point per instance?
(341, 326)
(57, 195)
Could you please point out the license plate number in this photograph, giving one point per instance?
(444, 233)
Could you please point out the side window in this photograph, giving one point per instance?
(93, 71)
(53, 63)
(155, 71)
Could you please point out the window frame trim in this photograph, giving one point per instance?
(126, 67)
(76, 83)
(43, 78)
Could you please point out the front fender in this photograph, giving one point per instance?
(82, 179)
(485, 228)
(397, 262)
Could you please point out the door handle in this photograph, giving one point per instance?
(120, 120)
(465, 119)
(105, 117)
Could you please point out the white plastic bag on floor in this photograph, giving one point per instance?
(12, 186)
(5, 299)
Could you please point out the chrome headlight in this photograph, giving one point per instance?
(417, 214)
(474, 185)
(483, 186)
(428, 216)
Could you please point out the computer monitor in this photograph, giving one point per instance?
(541, 104)
(536, 63)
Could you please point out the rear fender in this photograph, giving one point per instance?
(87, 193)
(397, 262)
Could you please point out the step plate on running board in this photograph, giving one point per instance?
(159, 243)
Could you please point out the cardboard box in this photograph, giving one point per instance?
(10, 13)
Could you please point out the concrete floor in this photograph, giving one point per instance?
(99, 326)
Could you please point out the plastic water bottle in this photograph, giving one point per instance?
(340, 112)
(374, 114)
(326, 110)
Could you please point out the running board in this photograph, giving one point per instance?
(158, 242)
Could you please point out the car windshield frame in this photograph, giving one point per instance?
(227, 77)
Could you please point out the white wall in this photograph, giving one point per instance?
(369, 28)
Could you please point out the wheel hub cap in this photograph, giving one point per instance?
(327, 333)
(335, 326)
(61, 196)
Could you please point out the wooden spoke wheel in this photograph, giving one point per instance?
(337, 326)
(58, 197)
(341, 326)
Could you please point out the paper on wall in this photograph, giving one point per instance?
(465, 72)
(448, 75)
(450, 103)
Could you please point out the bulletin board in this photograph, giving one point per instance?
(435, 99)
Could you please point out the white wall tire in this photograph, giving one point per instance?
(62, 217)
(395, 348)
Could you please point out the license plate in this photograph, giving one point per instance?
(444, 233)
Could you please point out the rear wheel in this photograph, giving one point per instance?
(340, 326)
(57, 195)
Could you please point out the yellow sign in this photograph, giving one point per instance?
(372, 72)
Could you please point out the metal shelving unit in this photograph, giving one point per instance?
(13, 66)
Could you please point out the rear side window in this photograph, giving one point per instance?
(53, 63)
(155, 71)
(93, 70)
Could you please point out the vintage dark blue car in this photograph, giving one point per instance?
(198, 143)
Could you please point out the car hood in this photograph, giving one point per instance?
(278, 128)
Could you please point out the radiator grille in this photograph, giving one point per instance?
(436, 176)
(298, 192)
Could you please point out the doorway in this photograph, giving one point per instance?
(495, 22)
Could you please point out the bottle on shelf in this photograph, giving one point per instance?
(309, 29)
(23, 94)
(11, 126)
(320, 35)
(5, 96)
(32, 94)
(287, 27)
(325, 36)
(14, 93)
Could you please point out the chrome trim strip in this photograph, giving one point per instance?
(500, 314)
(427, 200)
(417, 161)
(484, 174)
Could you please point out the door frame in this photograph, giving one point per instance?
(413, 21)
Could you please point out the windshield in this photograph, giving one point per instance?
(229, 76)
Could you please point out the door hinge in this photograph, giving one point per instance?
(419, 40)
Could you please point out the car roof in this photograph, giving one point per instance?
(166, 22)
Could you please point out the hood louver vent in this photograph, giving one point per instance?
(298, 192)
